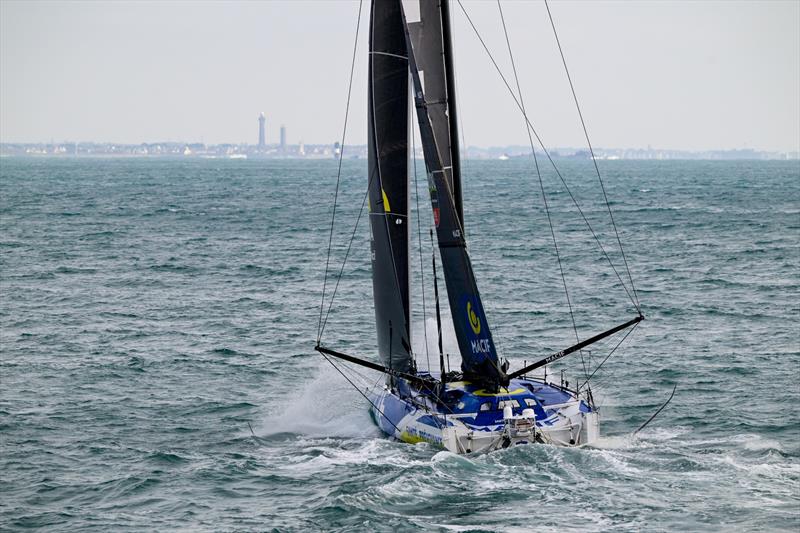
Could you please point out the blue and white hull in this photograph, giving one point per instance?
(467, 419)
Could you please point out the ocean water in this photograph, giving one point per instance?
(154, 311)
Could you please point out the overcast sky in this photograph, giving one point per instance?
(681, 75)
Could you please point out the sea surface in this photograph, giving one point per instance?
(158, 319)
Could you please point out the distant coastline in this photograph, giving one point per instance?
(332, 151)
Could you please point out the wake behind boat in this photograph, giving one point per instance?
(483, 406)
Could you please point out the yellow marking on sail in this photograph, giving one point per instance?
(474, 320)
(502, 392)
(386, 207)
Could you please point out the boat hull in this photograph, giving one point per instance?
(527, 412)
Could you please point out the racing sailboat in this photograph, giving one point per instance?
(484, 406)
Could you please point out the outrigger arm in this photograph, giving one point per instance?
(547, 360)
(558, 355)
(374, 366)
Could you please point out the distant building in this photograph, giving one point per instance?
(262, 141)
(283, 138)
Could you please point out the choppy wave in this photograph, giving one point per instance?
(158, 371)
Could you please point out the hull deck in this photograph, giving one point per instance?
(466, 419)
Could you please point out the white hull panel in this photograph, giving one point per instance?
(416, 419)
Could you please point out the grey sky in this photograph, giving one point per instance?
(683, 75)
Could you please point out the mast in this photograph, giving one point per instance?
(431, 37)
(449, 70)
(388, 132)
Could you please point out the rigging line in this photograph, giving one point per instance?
(488, 307)
(611, 353)
(419, 239)
(374, 385)
(541, 185)
(359, 391)
(607, 378)
(656, 413)
(344, 262)
(547, 153)
(591, 150)
(361, 375)
(426, 408)
(339, 172)
(423, 386)
(549, 157)
(466, 262)
(425, 118)
(439, 399)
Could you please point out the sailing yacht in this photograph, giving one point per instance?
(483, 406)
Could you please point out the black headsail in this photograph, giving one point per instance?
(388, 182)
(479, 357)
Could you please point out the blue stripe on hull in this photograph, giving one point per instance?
(391, 412)
(475, 409)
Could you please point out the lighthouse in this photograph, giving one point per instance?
(262, 143)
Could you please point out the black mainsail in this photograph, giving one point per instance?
(478, 353)
(388, 182)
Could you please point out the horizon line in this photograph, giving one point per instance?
(521, 147)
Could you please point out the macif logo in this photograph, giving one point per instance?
(478, 332)
(474, 319)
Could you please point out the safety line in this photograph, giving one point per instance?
(360, 391)
(419, 240)
(344, 262)
(591, 150)
(544, 195)
(549, 157)
(611, 352)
